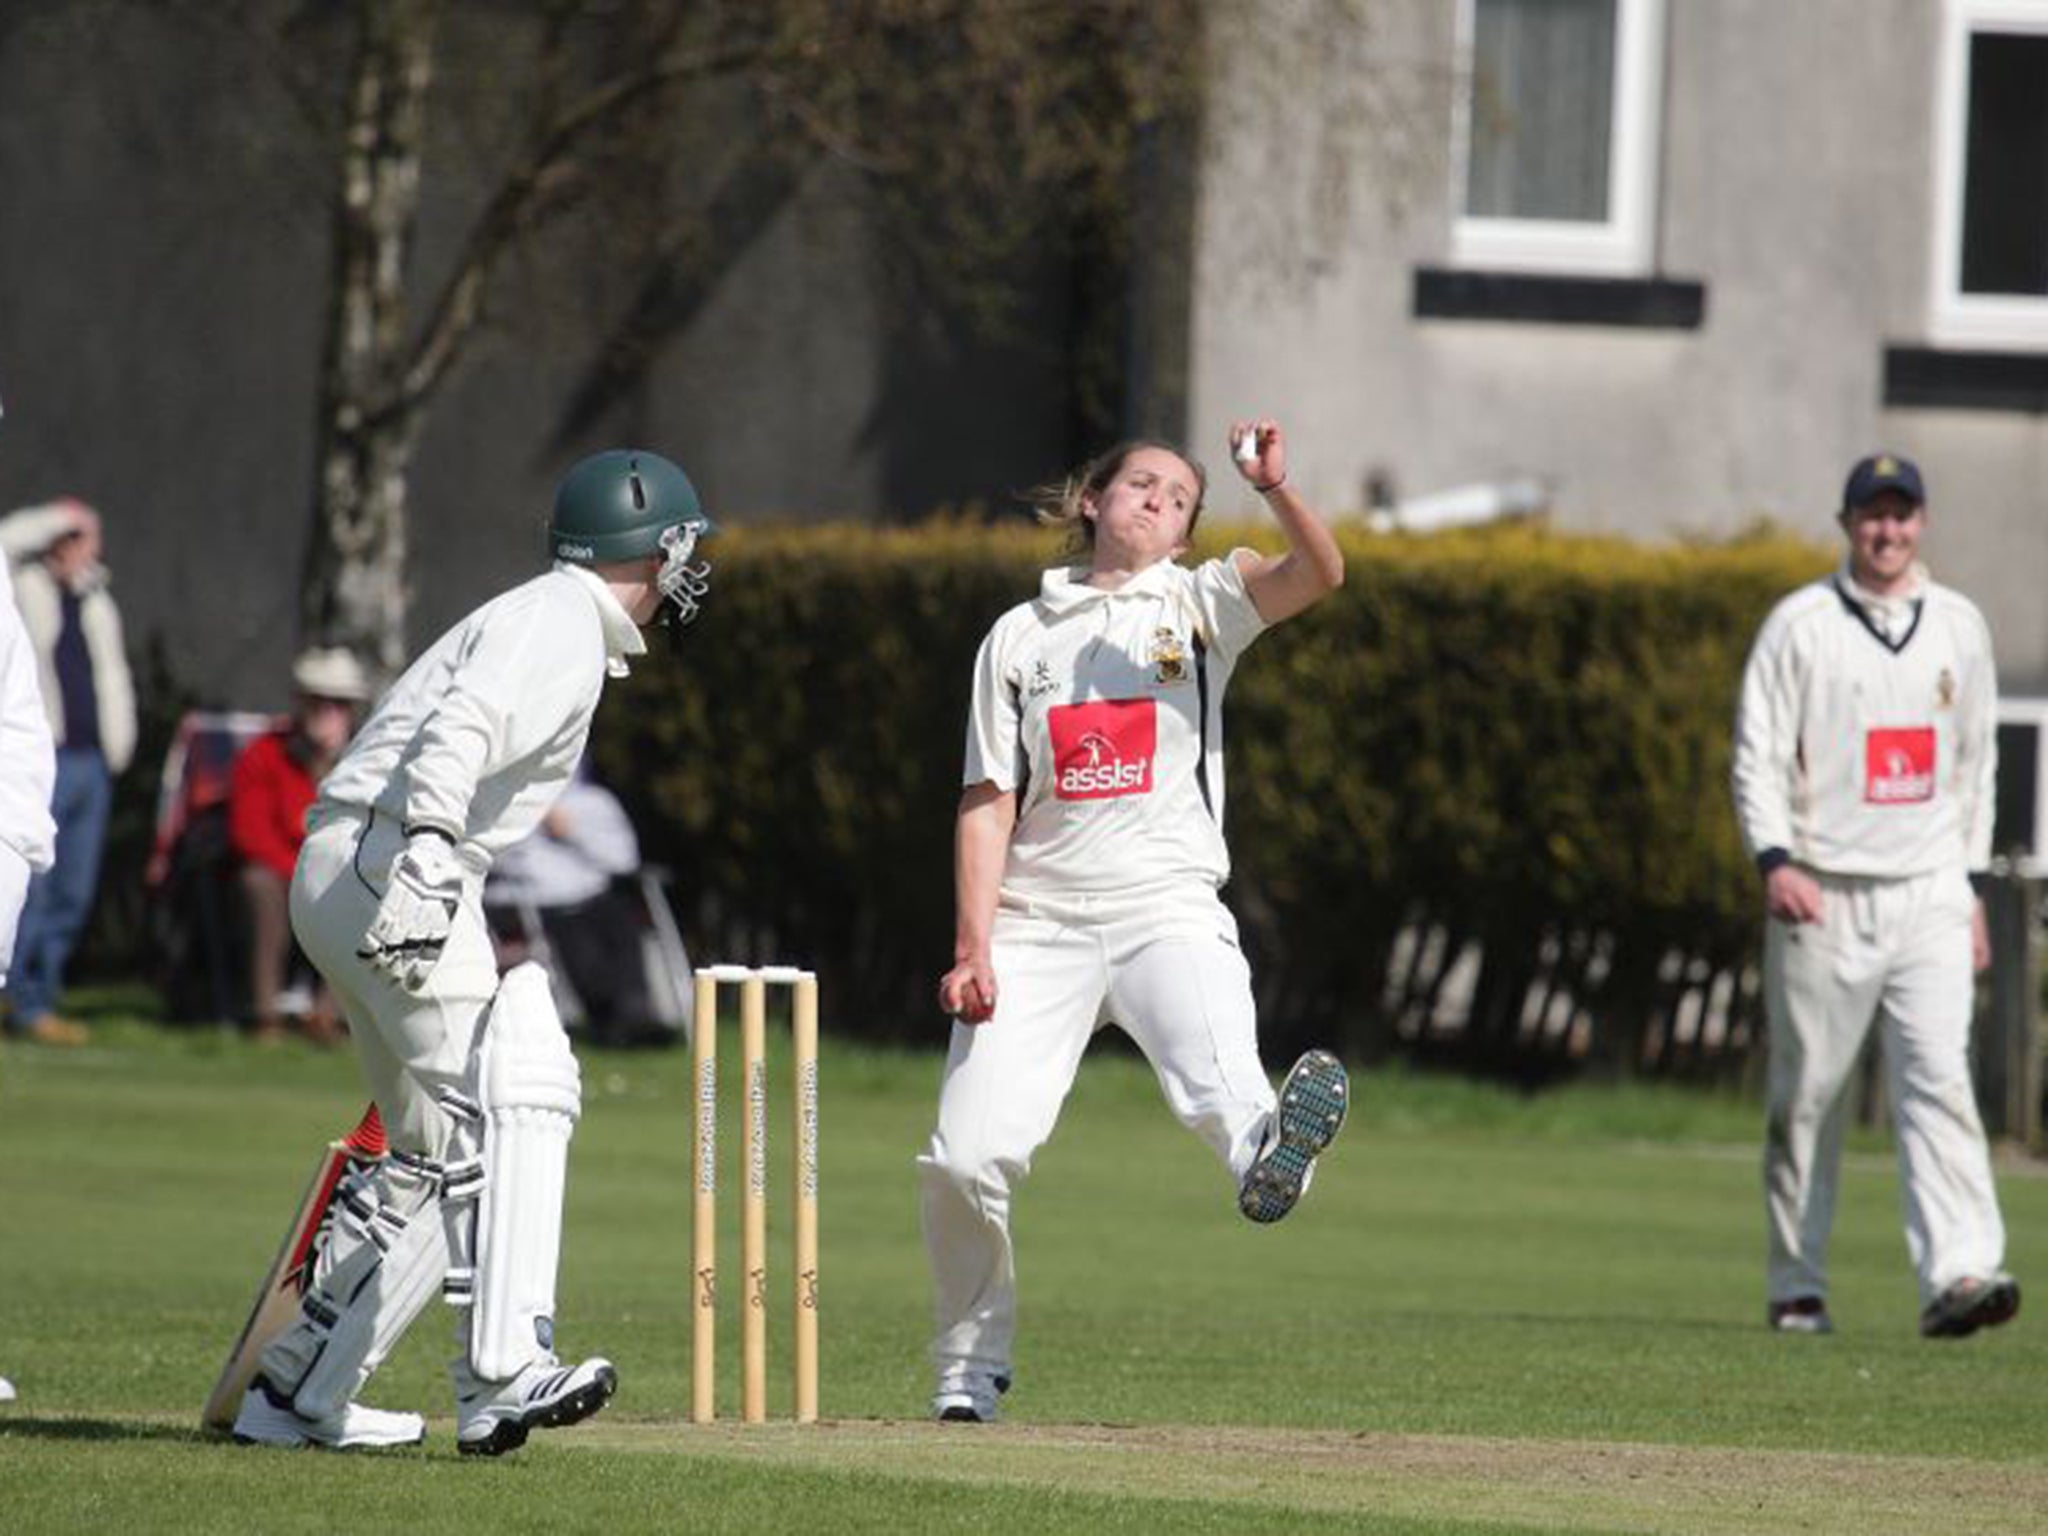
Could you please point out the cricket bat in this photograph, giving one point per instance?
(277, 1298)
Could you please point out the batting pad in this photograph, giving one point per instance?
(531, 1091)
(379, 1267)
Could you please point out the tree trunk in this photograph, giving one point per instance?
(353, 591)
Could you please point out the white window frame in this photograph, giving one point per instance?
(2034, 712)
(1624, 244)
(2007, 322)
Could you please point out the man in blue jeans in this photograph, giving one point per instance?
(60, 587)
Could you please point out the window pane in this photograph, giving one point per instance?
(2005, 180)
(1541, 109)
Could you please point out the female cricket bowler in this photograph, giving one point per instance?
(478, 1087)
(1088, 858)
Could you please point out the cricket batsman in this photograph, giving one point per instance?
(475, 1079)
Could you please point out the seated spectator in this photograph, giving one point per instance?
(198, 932)
(271, 787)
(568, 877)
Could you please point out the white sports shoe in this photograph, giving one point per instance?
(493, 1417)
(969, 1400)
(1802, 1314)
(6, 1390)
(266, 1418)
(1311, 1109)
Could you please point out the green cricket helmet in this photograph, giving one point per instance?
(627, 504)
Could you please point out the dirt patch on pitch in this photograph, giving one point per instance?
(1553, 1484)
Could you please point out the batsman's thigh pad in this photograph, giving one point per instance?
(530, 1093)
(381, 1261)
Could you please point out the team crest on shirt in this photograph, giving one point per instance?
(1945, 689)
(1041, 682)
(1169, 655)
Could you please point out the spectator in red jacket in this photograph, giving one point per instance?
(272, 786)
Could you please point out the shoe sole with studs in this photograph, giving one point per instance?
(1311, 1111)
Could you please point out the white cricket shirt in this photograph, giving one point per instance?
(1865, 743)
(28, 760)
(1103, 711)
(483, 731)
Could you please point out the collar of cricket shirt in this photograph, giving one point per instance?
(1889, 616)
(1065, 588)
(622, 637)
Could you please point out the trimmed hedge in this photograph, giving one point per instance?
(1514, 738)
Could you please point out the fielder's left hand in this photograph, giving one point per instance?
(406, 937)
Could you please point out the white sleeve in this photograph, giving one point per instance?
(600, 828)
(1767, 740)
(1228, 619)
(28, 758)
(115, 685)
(1977, 750)
(27, 533)
(523, 670)
(994, 718)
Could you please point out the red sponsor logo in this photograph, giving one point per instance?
(1103, 749)
(1898, 765)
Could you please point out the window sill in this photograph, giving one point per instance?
(1641, 303)
(1966, 381)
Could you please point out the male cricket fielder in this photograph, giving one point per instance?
(28, 777)
(1864, 753)
(475, 1079)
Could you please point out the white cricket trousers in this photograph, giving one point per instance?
(411, 1044)
(381, 1270)
(1897, 951)
(1170, 972)
(14, 878)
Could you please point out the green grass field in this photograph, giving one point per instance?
(1493, 1314)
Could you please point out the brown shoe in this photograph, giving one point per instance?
(49, 1029)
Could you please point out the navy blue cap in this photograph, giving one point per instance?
(1882, 472)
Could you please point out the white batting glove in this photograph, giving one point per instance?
(410, 930)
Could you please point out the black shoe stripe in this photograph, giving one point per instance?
(548, 1388)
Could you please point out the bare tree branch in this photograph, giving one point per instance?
(693, 255)
(530, 191)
